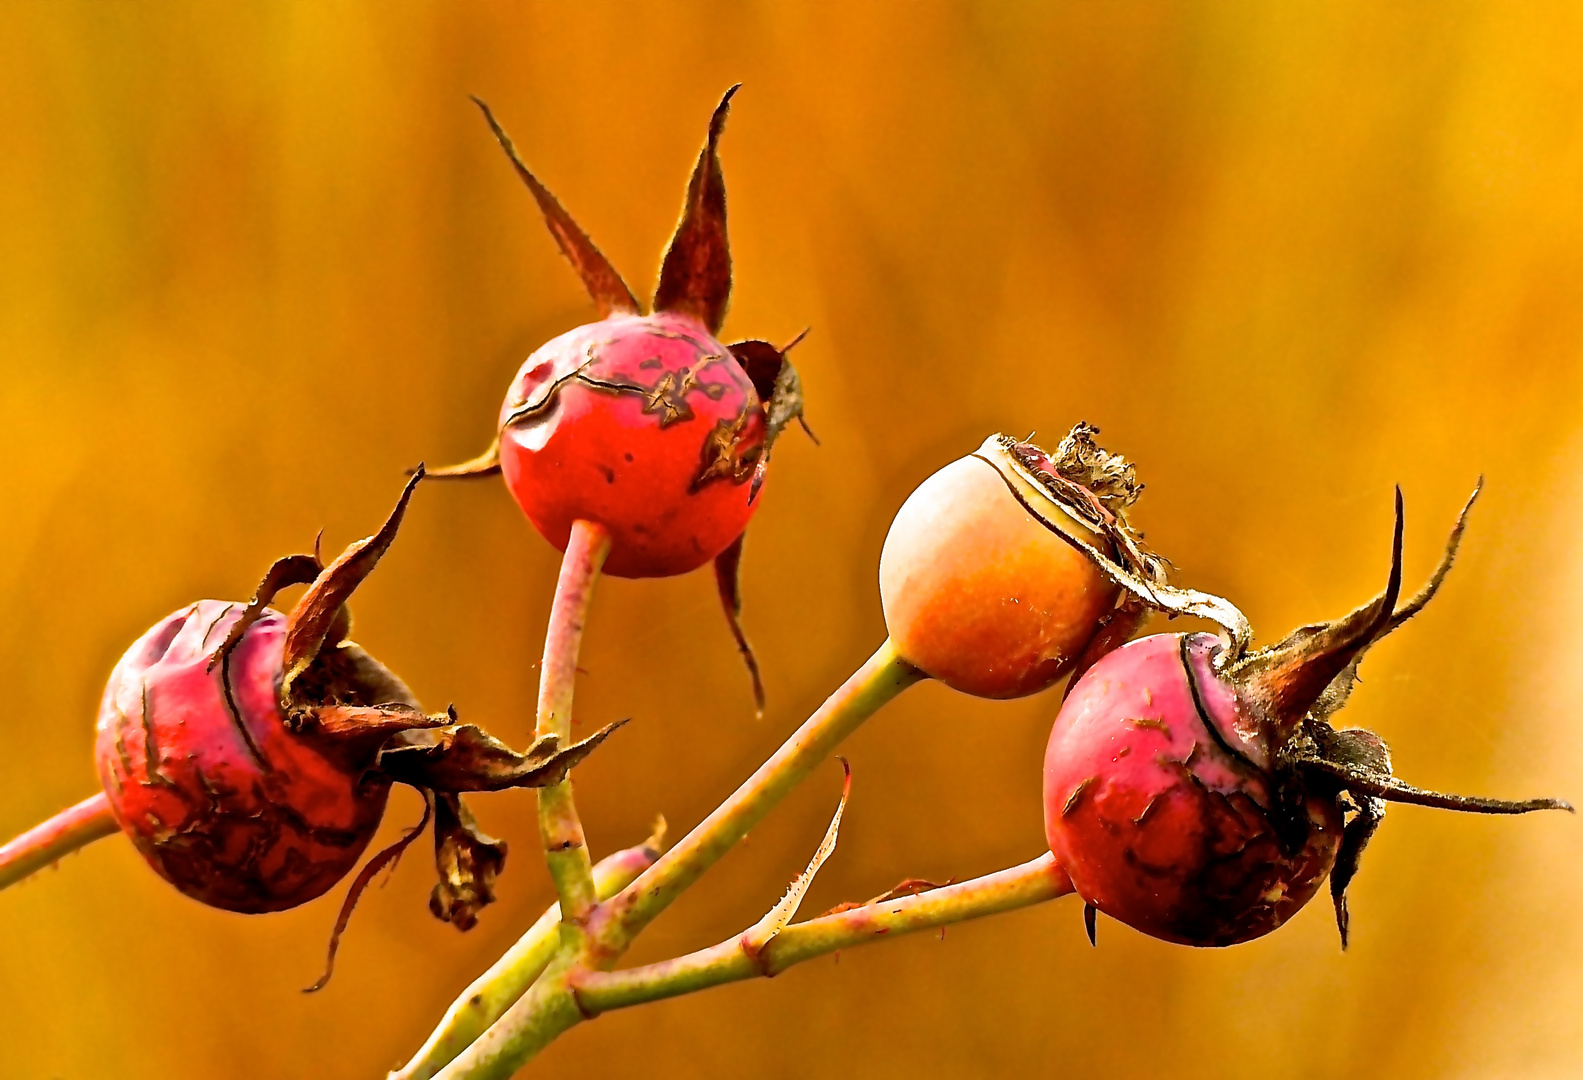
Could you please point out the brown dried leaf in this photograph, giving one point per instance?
(609, 292)
(728, 565)
(695, 278)
(464, 757)
(319, 611)
(468, 862)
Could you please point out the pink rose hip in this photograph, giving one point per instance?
(1199, 793)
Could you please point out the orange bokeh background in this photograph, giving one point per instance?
(259, 258)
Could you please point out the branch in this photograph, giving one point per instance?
(550, 1006)
(731, 961)
(72, 828)
(493, 992)
(878, 681)
(565, 847)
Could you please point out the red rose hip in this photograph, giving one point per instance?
(1199, 793)
(644, 424)
(1158, 807)
(647, 426)
(245, 816)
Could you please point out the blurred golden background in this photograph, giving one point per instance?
(258, 258)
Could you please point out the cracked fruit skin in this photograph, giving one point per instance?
(1158, 822)
(980, 595)
(190, 792)
(645, 425)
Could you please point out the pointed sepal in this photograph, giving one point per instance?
(610, 294)
(1284, 681)
(320, 617)
(695, 278)
(728, 568)
(464, 757)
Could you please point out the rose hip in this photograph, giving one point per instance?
(646, 425)
(1201, 796)
(248, 754)
(234, 809)
(981, 595)
(1011, 568)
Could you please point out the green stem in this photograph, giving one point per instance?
(482, 1003)
(551, 1006)
(565, 846)
(878, 681)
(731, 961)
(72, 828)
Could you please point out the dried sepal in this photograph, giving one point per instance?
(464, 757)
(1282, 682)
(1340, 689)
(388, 857)
(1355, 764)
(695, 277)
(360, 730)
(610, 294)
(1059, 502)
(780, 395)
(468, 862)
(728, 566)
(485, 464)
(282, 574)
(360, 679)
(310, 625)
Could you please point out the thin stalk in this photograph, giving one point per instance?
(72, 828)
(492, 993)
(731, 961)
(878, 681)
(565, 846)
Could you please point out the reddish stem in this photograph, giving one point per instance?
(565, 848)
(72, 828)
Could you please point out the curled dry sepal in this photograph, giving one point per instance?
(1083, 481)
(353, 710)
(647, 425)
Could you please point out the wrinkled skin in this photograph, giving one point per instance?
(1159, 801)
(238, 830)
(980, 595)
(646, 425)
